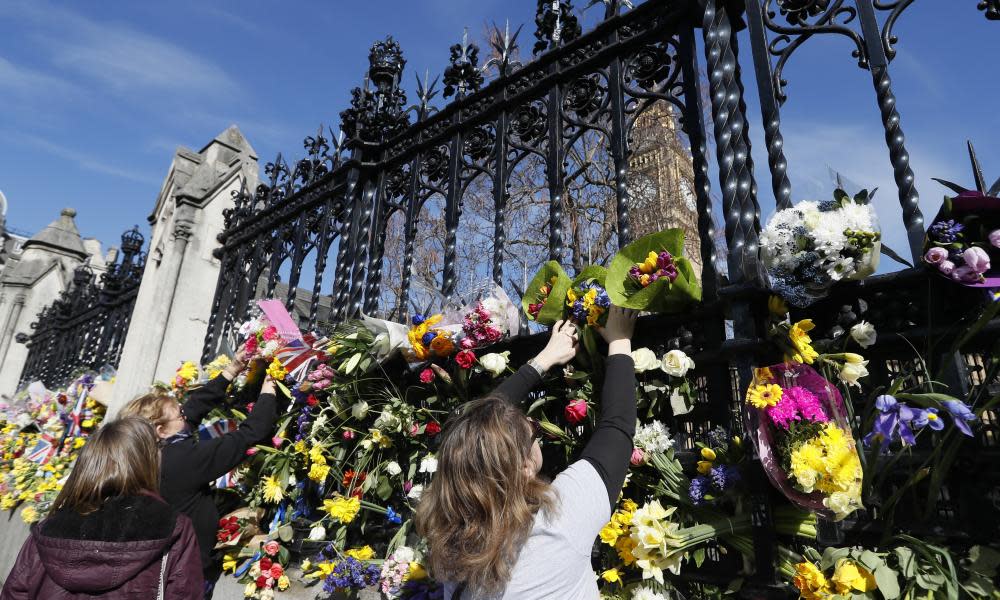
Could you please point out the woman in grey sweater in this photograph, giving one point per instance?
(495, 528)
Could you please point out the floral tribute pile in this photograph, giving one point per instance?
(41, 433)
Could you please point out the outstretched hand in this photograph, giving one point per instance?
(618, 330)
(562, 346)
(236, 365)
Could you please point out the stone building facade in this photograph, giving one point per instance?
(175, 297)
(32, 278)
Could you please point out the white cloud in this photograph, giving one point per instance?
(123, 59)
(84, 160)
(30, 83)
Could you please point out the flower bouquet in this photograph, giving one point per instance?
(427, 340)
(551, 280)
(809, 247)
(587, 301)
(650, 274)
(803, 439)
(237, 526)
(963, 242)
(481, 316)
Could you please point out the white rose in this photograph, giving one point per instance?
(388, 421)
(864, 334)
(429, 464)
(644, 359)
(676, 363)
(840, 502)
(393, 468)
(415, 492)
(495, 363)
(318, 532)
(853, 371)
(359, 410)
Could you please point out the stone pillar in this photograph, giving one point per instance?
(8, 331)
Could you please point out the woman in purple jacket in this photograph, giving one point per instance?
(109, 535)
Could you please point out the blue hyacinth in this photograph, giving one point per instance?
(351, 573)
(724, 476)
(945, 231)
(699, 485)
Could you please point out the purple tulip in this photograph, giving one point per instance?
(935, 255)
(962, 415)
(965, 274)
(977, 259)
(946, 267)
(995, 238)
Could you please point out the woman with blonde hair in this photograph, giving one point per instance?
(495, 528)
(109, 534)
(191, 465)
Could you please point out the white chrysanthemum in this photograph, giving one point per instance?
(653, 437)
(859, 217)
(838, 267)
(645, 593)
(429, 464)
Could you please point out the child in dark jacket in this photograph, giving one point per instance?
(109, 535)
(191, 465)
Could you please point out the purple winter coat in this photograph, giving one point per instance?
(114, 553)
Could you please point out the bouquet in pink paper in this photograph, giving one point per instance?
(804, 441)
(273, 336)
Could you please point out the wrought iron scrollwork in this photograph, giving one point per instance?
(555, 24)
(463, 75)
(992, 9)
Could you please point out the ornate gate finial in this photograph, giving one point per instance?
(463, 75)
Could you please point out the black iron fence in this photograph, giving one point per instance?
(85, 327)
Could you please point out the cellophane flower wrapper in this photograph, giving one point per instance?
(481, 316)
(767, 433)
(552, 276)
(662, 295)
(811, 246)
(964, 222)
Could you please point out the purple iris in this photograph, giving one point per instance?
(893, 421)
(928, 417)
(962, 415)
(392, 516)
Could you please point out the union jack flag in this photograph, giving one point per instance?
(41, 451)
(299, 356)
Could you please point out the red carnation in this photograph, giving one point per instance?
(432, 429)
(465, 359)
(261, 582)
(265, 564)
(576, 411)
(312, 400)
(426, 376)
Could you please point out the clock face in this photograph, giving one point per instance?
(690, 201)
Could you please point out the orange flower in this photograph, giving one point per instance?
(442, 345)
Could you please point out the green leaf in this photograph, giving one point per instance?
(284, 390)
(927, 400)
(285, 533)
(887, 582)
(699, 557)
(555, 303)
(663, 296)
(351, 364)
(538, 404)
(384, 489)
(734, 586)
(870, 560)
(906, 561)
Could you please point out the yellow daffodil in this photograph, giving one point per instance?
(612, 576)
(708, 454)
(416, 572)
(362, 553)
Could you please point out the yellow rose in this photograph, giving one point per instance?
(283, 582)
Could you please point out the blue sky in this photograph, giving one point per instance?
(96, 96)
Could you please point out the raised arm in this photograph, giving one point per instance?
(560, 350)
(610, 447)
(202, 400)
(216, 457)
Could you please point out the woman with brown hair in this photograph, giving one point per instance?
(109, 535)
(495, 528)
